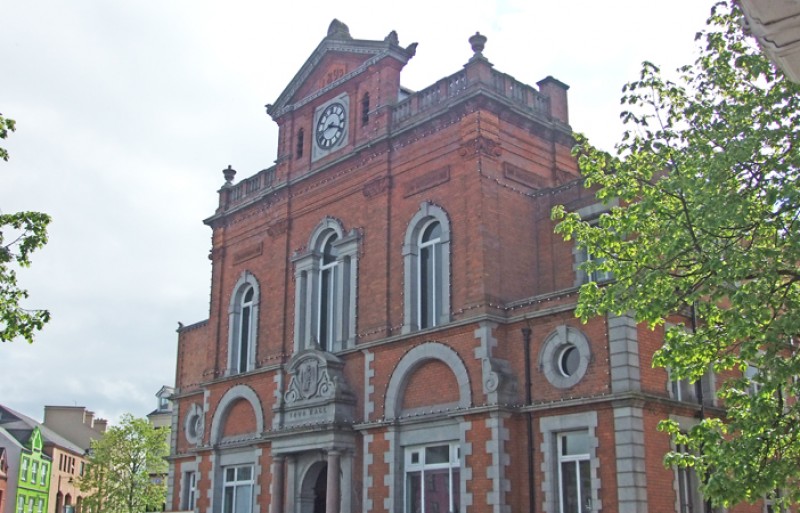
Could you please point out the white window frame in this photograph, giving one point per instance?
(413, 289)
(576, 459)
(415, 462)
(583, 256)
(233, 486)
(328, 279)
(590, 213)
(687, 486)
(190, 490)
(341, 274)
(239, 311)
(24, 468)
(551, 429)
(43, 471)
(429, 287)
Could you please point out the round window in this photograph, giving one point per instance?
(569, 360)
(565, 357)
(193, 425)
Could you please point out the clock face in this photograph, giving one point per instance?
(331, 125)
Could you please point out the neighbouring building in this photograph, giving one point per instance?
(75, 423)
(391, 324)
(42, 466)
(29, 466)
(162, 416)
(3, 478)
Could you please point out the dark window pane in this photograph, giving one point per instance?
(414, 492)
(437, 454)
(569, 488)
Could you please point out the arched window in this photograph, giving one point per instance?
(245, 330)
(326, 312)
(430, 275)
(426, 254)
(325, 278)
(243, 325)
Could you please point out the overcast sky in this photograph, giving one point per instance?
(128, 110)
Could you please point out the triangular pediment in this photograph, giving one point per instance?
(336, 59)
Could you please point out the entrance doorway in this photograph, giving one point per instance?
(314, 489)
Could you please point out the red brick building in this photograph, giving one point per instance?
(391, 324)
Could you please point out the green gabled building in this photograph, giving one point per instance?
(33, 478)
(33, 482)
(29, 468)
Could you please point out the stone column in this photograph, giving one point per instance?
(276, 500)
(332, 497)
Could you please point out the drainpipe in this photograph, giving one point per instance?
(526, 337)
(698, 387)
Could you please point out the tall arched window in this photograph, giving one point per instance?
(325, 278)
(245, 329)
(430, 275)
(243, 325)
(426, 256)
(326, 312)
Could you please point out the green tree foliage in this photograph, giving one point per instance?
(707, 180)
(127, 468)
(21, 234)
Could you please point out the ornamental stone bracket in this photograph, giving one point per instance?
(499, 381)
(317, 392)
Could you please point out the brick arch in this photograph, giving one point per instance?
(413, 360)
(226, 404)
(418, 386)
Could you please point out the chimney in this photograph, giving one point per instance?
(557, 92)
(100, 425)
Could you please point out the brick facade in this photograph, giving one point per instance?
(338, 391)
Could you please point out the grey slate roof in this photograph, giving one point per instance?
(21, 426)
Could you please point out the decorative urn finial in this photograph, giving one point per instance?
(478, 43)
(228, 173)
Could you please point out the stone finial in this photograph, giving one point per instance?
(338, 30)
(478, 42)
(392, 38)
(229, 173)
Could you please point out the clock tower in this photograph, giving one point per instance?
(338, 100)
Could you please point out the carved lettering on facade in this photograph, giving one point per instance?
(333, 74)
(427, 181)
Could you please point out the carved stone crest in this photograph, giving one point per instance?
(317, 391)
